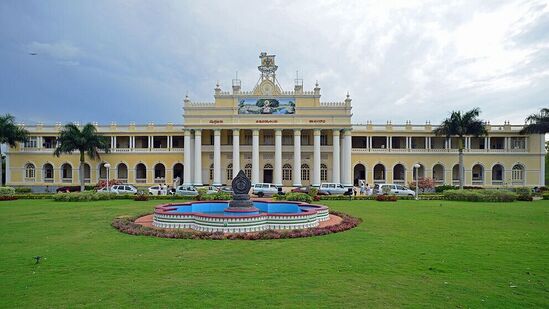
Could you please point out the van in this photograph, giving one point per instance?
(264, 189)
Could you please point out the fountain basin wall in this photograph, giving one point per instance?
(210, 216)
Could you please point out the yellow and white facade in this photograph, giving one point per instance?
(288, 138)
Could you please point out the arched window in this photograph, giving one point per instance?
(30, 172)
(379, 173)
(248, 170)
(230, 171)
(87, 173)
(399, 174)
(517, 174)
(140, 173)
(66, 172)
(286, 172)
(478, 174)
(122, 172)
(211, 171)
(497, 174)
(159, 173)
(455, 175)
(305, 172)
(438, 174)
(102, 171)
(47, 172)
(323, 172)
(420, 172)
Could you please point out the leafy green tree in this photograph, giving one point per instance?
(537, 123)
(10, 134)
(85, 141)
(460, 125)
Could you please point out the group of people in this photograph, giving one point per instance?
(365, 188)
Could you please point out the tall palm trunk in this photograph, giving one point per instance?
(461, 167)
(1, 169)
(81, 174)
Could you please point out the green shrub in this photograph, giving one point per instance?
(431, 197)
(22, 190)
(7, 191)
(141, 197)
(218, 196)
(300, 197)
(523, 194)
(440, 189)
(480, 195)
(313, 192)
(278, 197)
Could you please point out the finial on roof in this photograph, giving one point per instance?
(316, 83)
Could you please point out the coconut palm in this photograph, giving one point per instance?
(459, 125)
(10, 134)
(537, 123)
(86, 141)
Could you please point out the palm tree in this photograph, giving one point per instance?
(537, 123)
(461, 124)
(10, 134)
(86, 141)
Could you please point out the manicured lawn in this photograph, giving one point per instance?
(404, 254)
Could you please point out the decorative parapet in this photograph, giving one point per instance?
(199, 104)
(333, 104)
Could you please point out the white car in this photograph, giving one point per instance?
(264, 189)
(157, 190)
(393, 189)
(333, 188)
(211, 189)
(124, 189)
(186, 190)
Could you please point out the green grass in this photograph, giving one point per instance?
(405, 254)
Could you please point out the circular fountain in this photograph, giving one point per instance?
(240, 214)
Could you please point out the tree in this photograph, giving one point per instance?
(10, 134)
(537, 123)
(459, 125)
(85, 141)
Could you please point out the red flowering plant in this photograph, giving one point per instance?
(103, 183)
(426, 184)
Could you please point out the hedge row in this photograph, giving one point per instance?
(480, 195)
(127, 225)
(94, 196)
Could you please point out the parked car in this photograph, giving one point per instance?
(103, 190)
(186, 191)
(210, 189)
(157, 190)
(264, 189)
(227, 189)
(333, 188)
(393, 189)
(307, 189)
(124, 189)
(68, 189)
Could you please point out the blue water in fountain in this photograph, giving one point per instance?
(217, 208)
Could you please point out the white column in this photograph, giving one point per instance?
(217, 158)
(198, 157)
(408, 142)
(114, 142)
(486, 143)
(336, 165)
(170, 141)
(191, 167)
(132, 142)
(297, 158)
(255, 156)
(387, 142)
(278, 158)
(150, 142)
(187, 158)
(390, 142)
(541, 161)
(449, 143)
(369, 142)
(347, 179)
(316, 158)
(236, 152)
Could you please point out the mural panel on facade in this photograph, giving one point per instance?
(279, 106)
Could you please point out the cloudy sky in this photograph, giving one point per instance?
(135, 60)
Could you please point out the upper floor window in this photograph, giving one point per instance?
(518, 143)
(32, 142)
(323, 139)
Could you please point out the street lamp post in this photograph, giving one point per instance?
(417, 166)
(108, 166)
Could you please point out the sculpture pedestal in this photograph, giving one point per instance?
(241, 202)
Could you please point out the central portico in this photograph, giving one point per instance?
(288, 138)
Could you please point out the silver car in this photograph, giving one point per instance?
(124, 189)
(186, 191)
(393, 189)
(264, 189)
(333, 188)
